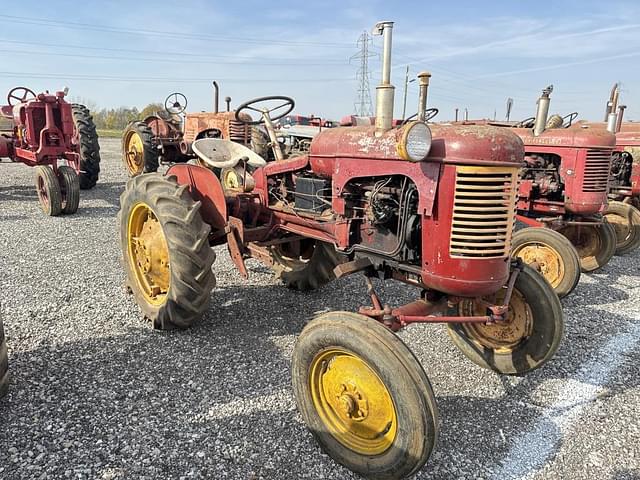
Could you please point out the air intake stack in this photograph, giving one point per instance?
(385, 91)
(542, 112)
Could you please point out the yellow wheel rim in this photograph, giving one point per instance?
(230, 180)
(621, 225)
(546, 260)
(586, 239)
(501, 337)
(352, 402)
(148, 254)
(134, 153)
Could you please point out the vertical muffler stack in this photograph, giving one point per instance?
(384, 91)
(423, 79)
(542, 112)
(621, 109)
(612, 109)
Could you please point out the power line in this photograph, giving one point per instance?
(363, 105)
(165, 34)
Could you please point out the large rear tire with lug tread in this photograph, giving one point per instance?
(595, 244)
(69, 188)
(49, 191)
(89, 146)
(551, 254)
(529, 338)
(625, 219)
(4, 362)
(364, 396)
(139, 154)
(166, 252)
(305, 264)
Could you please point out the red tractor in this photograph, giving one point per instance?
(563, 187)
(4, 363)
(433, 208)
(624, 181)
(59, 139)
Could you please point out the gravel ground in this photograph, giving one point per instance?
(95, 393)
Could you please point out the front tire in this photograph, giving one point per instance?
(139, 154)
(528, 340)
(166, 251)
(4, 362)
(625, 219)
(364, 396)
(551, 254)
(69, 188)
(305, 264)
(595, 244)
(89, 146)
(49, 192)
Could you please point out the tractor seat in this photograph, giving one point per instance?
(6, 111)
(220, 153)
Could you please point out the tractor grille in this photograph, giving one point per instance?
(484, 211)
(596, 170)
(239, 132)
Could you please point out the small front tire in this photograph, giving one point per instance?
(4, 362)
(625, 219)
(364, 396)
(69, 188)
(49, 192)
(595, 244)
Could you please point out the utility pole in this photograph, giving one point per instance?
(363, 105)
(406, 87)
(456, 114)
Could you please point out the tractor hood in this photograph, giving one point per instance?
(450, 143)
(590, 137)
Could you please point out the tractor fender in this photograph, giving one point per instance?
(206, 188)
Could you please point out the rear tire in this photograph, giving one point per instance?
(374, 411)
(556, 258)
(625, 219)
(69, 188)
(524, 344)
(4, 362)
(595, 244)
(139, 154)
(89, 146)
(49, 192)
(166, 251)
(310, 268)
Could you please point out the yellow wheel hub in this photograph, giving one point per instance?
(148, 254)
(502, 337)
(353, 403)
(545, 259)
(134, 153)
(231, 180)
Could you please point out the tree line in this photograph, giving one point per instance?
(118, 118)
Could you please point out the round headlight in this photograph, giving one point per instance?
(417, 141)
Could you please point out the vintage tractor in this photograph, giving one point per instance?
(624, 181)
(167, 136)
(432, 208)
(563, 186)
(59, 139)
(4, 362)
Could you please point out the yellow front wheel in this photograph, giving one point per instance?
(139, 154)
(166, 251)
(364, 396)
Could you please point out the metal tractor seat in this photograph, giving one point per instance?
(220, 153)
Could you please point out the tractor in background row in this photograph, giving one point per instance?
(167, 136)
(59, 139)
(433, 208)
(563, 187)
(624, 181)
(4, 362)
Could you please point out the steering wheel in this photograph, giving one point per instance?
(526, 123)
(567, 120)
(429, 113)
(288, 104)
(26, 92)
(175, 103)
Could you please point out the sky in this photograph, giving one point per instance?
(120, 53)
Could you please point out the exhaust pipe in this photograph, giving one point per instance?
(613, 100)
(542, 111)
(423, 79)
(620, 116)
(216, 93)
(228, 102)
(384, 91)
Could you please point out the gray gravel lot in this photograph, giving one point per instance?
(95, 393)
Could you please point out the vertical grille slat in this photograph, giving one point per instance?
(596, 170)
(484, 210)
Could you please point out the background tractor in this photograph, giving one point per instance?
(433, 208)
(624, 181)
(4, 362)
(59, 139)
(563, 186)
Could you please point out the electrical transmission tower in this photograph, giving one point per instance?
(363, 105)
